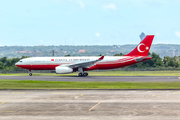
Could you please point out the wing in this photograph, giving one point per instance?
(85, 64)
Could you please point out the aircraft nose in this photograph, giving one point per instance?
(16, 64)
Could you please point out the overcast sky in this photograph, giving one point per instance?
(88, 22)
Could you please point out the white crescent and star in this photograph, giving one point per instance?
(138, 48)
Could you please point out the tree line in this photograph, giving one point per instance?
(9, 64)
(155, 62)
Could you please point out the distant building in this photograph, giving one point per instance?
(21, 51)
(82, 51)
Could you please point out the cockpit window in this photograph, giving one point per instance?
(20, 61)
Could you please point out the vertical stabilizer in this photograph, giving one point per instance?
(142, 49)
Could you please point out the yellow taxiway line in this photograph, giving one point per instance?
(95, 105)
(6, 111)
(58, 93)
(17, 92)
(4, 102)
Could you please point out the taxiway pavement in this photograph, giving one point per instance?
(97, 78)
(89, 104)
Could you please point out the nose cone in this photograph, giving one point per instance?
(17, 64)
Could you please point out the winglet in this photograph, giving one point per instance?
(101, 58)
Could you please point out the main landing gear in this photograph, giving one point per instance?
(82, 73)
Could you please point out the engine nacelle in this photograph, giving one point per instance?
(63, 70)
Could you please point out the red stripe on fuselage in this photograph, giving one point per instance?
(99, 65)
(38, 67)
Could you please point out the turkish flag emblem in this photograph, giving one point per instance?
(52, 59)
(142, 47)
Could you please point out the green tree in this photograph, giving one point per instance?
(171, 61)
(120, 54)
(155, 61)
(67, 55)
(1, 65)
(3, 59)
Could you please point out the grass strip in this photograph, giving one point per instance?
(32, 84)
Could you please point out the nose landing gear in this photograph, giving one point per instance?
(30, 74)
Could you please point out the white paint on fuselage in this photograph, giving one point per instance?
(60, 60)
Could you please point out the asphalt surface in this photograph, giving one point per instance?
(96, 78)
(89, 105)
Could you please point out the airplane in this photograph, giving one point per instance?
(64, 65)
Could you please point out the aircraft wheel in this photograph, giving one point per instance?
(30, 74)
(80, 74)
(85, 74)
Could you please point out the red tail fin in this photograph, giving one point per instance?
(142, 49)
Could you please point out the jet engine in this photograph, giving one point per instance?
(63, 70)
